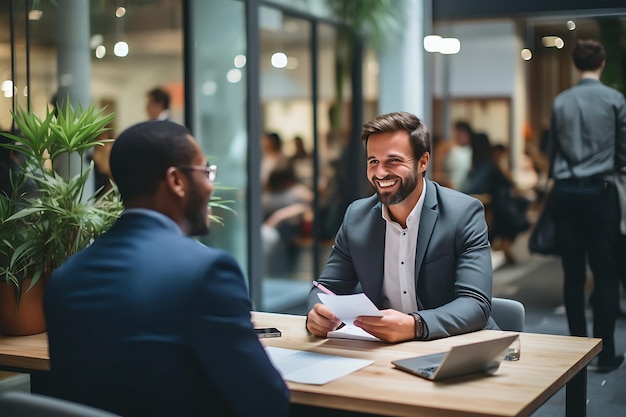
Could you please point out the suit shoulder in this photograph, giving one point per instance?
(445, 194)
(364, 205)
(456, 204)
(200, 250)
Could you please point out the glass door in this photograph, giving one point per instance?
(307, 159)
(287, 158)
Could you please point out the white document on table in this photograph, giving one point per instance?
(348, 307)
(310, 367)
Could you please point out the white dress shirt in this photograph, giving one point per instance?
(400, 247)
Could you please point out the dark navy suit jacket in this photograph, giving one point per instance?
(148, 322)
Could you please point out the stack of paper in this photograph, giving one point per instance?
(352, 332)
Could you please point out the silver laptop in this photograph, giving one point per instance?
(484, 356)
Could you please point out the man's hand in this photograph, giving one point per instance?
(321, 320)
(392, 327)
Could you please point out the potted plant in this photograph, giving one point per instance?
(57, 217)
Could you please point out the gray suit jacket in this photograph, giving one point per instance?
(453, 271)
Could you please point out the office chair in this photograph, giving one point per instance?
(22, 404)
(508, 314)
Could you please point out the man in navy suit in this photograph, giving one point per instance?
(418, 250)
(147, 321)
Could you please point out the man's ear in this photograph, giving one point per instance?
(422, 163)
(176, 181)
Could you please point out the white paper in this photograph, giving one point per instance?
(352, 332)
(348, 307)
(312, 368)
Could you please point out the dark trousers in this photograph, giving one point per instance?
(587, 230)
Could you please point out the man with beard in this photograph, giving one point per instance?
(147, 321)
(419, 251)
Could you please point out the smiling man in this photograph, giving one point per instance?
(418, 250)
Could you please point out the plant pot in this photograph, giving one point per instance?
(28, 318)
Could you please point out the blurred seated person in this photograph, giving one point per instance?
(287, 214)
(273, 156)
(458, 160)
(302, 162)
(509, 210)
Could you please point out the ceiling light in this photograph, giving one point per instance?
(233, 76)
(571, 25)
(209, 88)
(96, 40)
(7, 88)
(120, 12)
(120, 49)
(35, 14)
(101, 51)
(432, 43)
(240, 61)
(450, 46)
(552, 42)
(526, 54)
(279, 60)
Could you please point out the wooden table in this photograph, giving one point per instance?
(24, 353)
(517, 389)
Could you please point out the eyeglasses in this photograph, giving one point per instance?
(210, 170)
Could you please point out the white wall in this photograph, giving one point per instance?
(126, 82)
(487, 62)
(488, 65)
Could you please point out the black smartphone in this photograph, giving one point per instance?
(268, 332)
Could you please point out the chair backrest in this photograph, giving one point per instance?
(22, 404)
(508, 314)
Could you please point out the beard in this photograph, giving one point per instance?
(406, 187)
(197, 214)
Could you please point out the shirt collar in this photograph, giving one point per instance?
(167, 222)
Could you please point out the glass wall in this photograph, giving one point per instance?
(306, 108)
(132, 50)
(152, 35)
(218, 60)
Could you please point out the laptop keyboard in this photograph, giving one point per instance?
(428, 371)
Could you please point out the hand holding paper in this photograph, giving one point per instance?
(348, 307)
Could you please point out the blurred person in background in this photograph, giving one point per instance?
(273, 156)
(158, 104)
(458, 160)
(12, 182)
(587, 145)
(488, 178)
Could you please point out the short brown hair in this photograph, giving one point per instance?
(419, 136)
(161, 96)
(588, 54)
